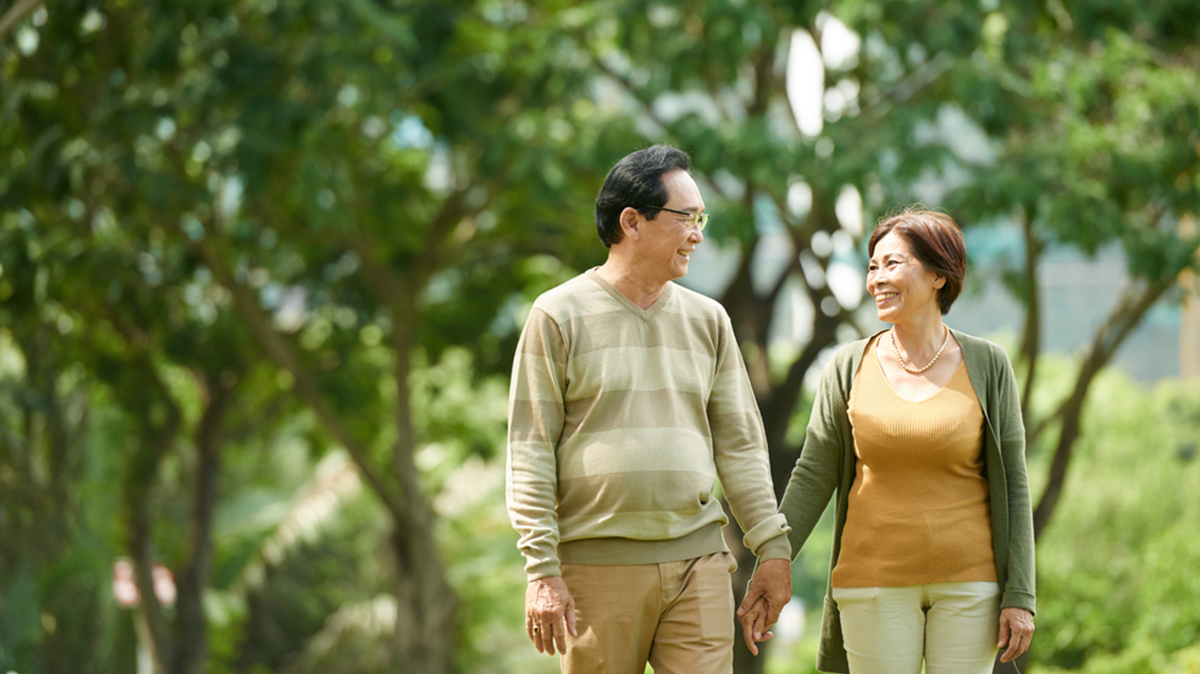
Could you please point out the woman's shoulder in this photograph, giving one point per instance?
(984, 358)
(978, 346)
(845, 360)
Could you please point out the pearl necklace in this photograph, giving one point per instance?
(928, 365)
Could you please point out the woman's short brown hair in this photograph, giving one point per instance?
(937, 242)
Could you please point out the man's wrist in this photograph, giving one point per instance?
(542, 568)
(775, 548)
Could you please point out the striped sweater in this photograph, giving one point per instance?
(621, 420)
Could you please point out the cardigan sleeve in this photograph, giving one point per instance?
(1020, 588)
(815, 476)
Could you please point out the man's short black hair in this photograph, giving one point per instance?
(636, 181)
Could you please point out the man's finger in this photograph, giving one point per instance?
(536, 635)
(560, 633)
(752, 595)
(571, 621)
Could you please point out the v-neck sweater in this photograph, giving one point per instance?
(918, 507)
(621, 421)
(827, 465)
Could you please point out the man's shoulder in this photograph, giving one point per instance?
(693, 302)
(570, 297)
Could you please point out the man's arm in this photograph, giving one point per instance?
(740, 452)
(535, 420)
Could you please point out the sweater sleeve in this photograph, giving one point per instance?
(535, 422)
(740, 453)
(1020, 589)
(815, 476)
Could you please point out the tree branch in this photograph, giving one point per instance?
(277, 348)
(15, 14)
(1031, 342)
(1108, 339)
(191, 638)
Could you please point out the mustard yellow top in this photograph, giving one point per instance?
(918, 509)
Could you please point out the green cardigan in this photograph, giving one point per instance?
(827, 461)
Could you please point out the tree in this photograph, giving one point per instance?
(328, 186)
(250, 211)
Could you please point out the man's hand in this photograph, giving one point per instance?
(549, 613)
(1016, 630)
(754, 624)
(772, 584)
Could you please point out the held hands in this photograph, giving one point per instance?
(769, 591)
(1016, 630)
(549, 614)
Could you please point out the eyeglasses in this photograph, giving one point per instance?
(696, 221)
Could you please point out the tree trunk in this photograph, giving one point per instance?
(191, 629)
(780, 406)
(426, 605)
(155, 442)
(142, 549)
(1031, 337)
(1108, 339)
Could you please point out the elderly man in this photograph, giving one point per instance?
(629, 400)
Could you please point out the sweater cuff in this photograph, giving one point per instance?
(776, 548)
(768, 539)
(542, 568)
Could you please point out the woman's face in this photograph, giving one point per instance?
(902, 287)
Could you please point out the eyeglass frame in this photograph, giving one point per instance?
(699, 220)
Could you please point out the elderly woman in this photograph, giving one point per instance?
(918, 431)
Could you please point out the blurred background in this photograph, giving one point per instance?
(263, 264)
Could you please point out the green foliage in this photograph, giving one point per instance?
(1110, 576)
(389, 184)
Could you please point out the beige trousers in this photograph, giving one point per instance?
(678, 616)
(889, 630)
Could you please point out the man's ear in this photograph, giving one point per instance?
(631, 223)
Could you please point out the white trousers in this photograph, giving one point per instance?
(889, 630)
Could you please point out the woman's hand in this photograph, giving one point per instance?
(1016, 630)
(754, 624)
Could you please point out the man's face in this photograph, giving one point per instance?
(669, 239)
